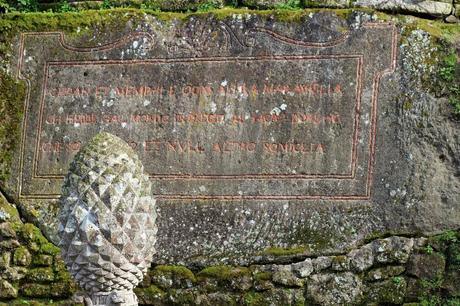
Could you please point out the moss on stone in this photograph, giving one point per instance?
(61, 273)
(390, 292)
(253, 298)
(177, 271)
(8, 208)
(435, 28)
(5, 258)
(36, 241)
(151, 295)
(277, 251)
(40, 275)
(261, 276)
(42, 260)
(63, 289)
(35, 290)
(224, 272)
(12, 95)
(22, 256)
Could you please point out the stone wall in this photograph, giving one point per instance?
(406, 255)
(30, 267)
(393, 270)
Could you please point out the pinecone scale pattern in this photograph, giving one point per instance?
(107, 219)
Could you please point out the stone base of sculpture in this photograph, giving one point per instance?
(125, 298)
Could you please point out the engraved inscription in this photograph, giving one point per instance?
(207, 118)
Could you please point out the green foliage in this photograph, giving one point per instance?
(429, 249)
(431, 301)
(208, 5)
(27, 5)
(106, 4)
(448, 236)
(397, 280)
(289, 5)
(431, 291)
(65, 7)
(150, 5)
(5, 6)
(449, 72)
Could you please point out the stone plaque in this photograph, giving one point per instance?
(253, 113)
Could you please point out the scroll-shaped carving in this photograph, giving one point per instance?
(107, 221)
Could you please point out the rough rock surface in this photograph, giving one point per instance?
(436, 8)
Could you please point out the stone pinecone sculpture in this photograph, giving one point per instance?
(107, 221)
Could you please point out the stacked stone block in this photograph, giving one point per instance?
(30, 266)
(395, 270)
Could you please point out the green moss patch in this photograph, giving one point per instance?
(277, 251)
(224, 272)
(12, 95)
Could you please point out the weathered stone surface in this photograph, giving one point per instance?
(42, 260)
(427, 266)
(14, 273)
(393, 250)
(5, 259)
(185, 142)
(340, 263)
(362, 258)
(40, 275)
(22, 256)
(275, 297)
(327, 3)
(391, 292)
(335, 289)
(7, 231)
(283, 275)
(107, 222)
(436, 8)
(7, 291)
(303, 269)
(384, 272)
(9, 244)
(321, 263)
(4, 215)
(451, 19)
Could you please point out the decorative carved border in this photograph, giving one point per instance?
(124, 40)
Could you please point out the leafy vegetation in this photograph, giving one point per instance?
(290, 5)
(449, 72)
(208, 5)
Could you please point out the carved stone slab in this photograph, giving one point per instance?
(255, 133)
(247, 109)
